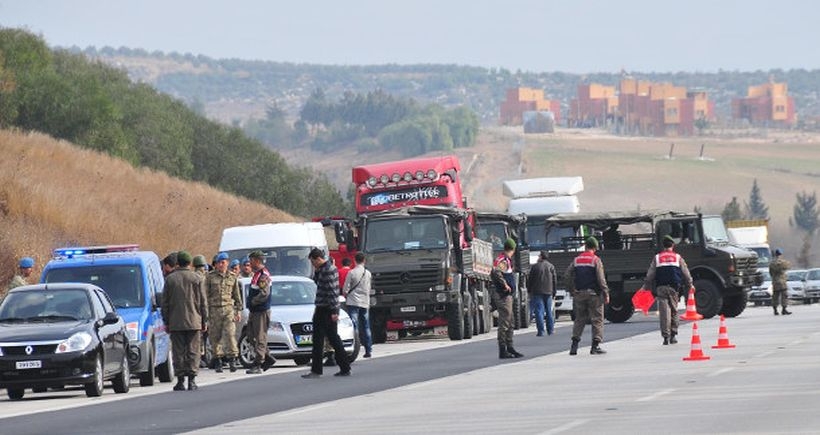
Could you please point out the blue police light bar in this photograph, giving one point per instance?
(86, 250)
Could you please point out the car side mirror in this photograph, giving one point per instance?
(109, 319)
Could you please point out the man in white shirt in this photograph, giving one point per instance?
(357, 293)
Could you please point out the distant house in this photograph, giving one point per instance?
(766, 105)
(520, 100)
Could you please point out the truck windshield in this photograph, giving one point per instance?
(290, 260)
(122, 283)
(714, 230)
(764, 256)
(405, 234)
(495, 233)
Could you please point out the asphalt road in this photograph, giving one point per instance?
(281, 390)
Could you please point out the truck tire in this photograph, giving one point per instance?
(735, 304)
(708, 298)
(378, 328)
(620, 308)
(487, 312)
(455, 320)
(516, 313)
(469, 315)
(524, 310)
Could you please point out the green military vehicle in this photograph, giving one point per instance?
(496, 228)
(721, 272)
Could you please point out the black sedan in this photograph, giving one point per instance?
(53, 335)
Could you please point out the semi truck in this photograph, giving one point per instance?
(419, 285)
(752, 234)
(722, 273)
(496, 228)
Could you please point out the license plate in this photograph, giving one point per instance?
(303, 340)
(33, 364)
(410, 309)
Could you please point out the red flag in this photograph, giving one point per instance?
(642, 300)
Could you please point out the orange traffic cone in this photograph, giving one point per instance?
(696, 354)
(691, 309)
(723, 336)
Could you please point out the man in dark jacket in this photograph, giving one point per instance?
(259, 314)
(541, 287)
(326, 315)
(185, 312)
(503, 276)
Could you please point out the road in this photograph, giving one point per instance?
(769, 383)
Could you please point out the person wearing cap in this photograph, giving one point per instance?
(667, 277)
(234, 267)
(185, 313)
(503, 276)
(326, 315)
(541, 286)
(24, 268)
(245, 269)
(780, 294)
(224, 307)
(586, 281)
(258, 304)
(200, 265)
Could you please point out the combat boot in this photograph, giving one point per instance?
(573, 349)
(268, 363)
(785, 311)
(503, 353)
(511, 350)
(775, 311)
(180, 386)
(255, 370)
(232, 364)
(596, 349)
(665, 341)
(672, 339)
(218, 365)
(330, 361)
(192, 383)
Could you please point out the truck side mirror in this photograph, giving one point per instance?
(340, 231)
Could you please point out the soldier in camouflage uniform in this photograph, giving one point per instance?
(586, 281)
(224, 308)
(24, 269)
(780, 294)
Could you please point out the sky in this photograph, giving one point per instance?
(577, 36)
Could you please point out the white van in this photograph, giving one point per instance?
(285, 245)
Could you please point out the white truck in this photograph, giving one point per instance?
(752, 235)
(285, 245)
(540, 198)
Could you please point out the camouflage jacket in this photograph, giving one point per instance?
(778, 268)
(17, 281)
(223, 290)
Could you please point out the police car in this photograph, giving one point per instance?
(133, 281)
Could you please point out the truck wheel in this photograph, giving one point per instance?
(620, 308)
(708, 298)
(147, 377)
(378, 328)
(455, 320)
(524, 309)
(488, 309)
(469, 309)
(734, 305)
(16, 393)
(516, 313)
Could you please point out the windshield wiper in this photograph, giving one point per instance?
(379, 250)
(53, 317)
(12, 319)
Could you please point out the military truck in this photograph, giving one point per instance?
(496, 228)
(722, 273)
(429, 272)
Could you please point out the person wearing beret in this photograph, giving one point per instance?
(24, 269)
(224, 307)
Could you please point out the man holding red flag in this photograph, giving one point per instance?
(667, 273)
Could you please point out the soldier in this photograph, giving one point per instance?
(234, 267)
(667, 272)
(169, 263)
(200, 266)
(259, 306)
(586, 281)
(185, 313)
(245, 268)
(780, 294)
(503, 277)
(224, 308)
(24, 269)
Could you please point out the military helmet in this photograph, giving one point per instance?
(199, 261)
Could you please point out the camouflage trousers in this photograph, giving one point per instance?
(668, 310)
(505, 319)
(780, 298)
(222, 332)
(588, 307)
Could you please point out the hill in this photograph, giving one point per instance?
(54, 194)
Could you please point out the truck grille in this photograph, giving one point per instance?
(748, 263)
(402, 281)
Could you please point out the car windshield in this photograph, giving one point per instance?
(123, 283)
(714, 230)
(796, 275)
(814, 275)
(45, 306)
(292, 293)
(405, 234)
(291, 260)
(495, 233)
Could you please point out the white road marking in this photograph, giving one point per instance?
(566, 427)
(763, 354)
(655, 395)
(305, 409)
(720, 372)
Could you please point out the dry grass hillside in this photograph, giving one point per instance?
(55, 194)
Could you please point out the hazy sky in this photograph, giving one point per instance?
(531, 35)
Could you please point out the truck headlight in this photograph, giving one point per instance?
(75, 343)
(441, 297)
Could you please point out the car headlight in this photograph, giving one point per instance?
(276, 326)
(76, 343)
(346, 322)
(132, 329)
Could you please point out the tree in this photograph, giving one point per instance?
(756, 208)
(732, 210)
(806, 217)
